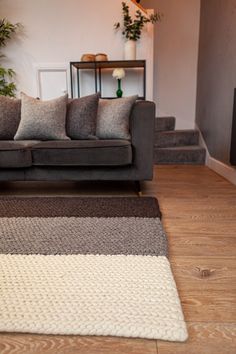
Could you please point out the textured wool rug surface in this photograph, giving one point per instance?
(87, 266)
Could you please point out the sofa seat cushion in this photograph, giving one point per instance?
(82, 153)
(15, 154)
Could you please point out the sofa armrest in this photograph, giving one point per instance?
(142, 127)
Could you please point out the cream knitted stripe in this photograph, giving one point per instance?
(130, 296)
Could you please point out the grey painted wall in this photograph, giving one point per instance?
(216, 75)
(175, 59)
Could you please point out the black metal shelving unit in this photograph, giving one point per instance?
(98, 66)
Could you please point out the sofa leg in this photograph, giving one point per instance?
(138, 188)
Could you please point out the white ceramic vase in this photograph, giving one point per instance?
(130, 50)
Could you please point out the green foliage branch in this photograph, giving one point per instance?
(7, 86)
(132, 28)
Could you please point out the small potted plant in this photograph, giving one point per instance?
(132, 28)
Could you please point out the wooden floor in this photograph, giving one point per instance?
(199, 216)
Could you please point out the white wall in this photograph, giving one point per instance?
(175, 59)
(58, 31)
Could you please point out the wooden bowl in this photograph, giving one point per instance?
(88, 57)
(101, 57)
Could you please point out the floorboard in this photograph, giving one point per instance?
(42, 344)
(204, 338)
(199, 216)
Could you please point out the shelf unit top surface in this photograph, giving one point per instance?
(108, 64)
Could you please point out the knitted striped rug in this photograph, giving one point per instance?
(87, 266)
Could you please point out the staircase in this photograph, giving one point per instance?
(176, 146)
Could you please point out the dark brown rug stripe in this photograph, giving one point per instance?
(79, 206)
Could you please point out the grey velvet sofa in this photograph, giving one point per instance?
(77, 160)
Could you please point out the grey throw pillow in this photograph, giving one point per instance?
(9, 117)
(81, 117)
(113, 117)
(42, 120)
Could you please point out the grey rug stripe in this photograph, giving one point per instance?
(62, 235)
(79, 206)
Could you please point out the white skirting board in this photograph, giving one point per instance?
(224, 170)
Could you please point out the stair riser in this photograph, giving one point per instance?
(165, 157)
(167, 139)
(164, 123)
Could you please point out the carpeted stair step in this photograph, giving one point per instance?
(186, 155)
(164, 123)
(176, 138)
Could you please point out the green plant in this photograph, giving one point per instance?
(7, 86)
(132, 28)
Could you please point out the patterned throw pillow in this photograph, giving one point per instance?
(81, 117)
(42, 120)
(9, 117)
(113, 117)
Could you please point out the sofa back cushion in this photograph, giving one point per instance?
(10, 109)
(113, 117)
(81, 117)
(42, 120)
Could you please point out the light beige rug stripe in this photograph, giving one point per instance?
(90, 295)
